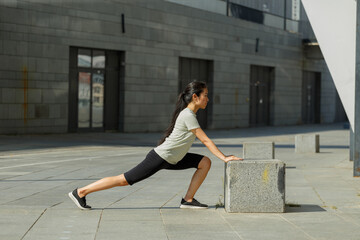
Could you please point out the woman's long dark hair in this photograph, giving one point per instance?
(183, 100)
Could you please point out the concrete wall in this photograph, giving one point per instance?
(34, 61)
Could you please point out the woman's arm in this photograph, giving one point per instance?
(201, 135)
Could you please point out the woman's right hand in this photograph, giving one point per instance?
(232, 158)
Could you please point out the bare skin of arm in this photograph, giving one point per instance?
(201, 135)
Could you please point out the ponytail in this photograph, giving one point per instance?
(183, 101)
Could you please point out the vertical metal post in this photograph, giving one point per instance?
(285, 15)
(357, 97)
(227, 7)
(351, 157)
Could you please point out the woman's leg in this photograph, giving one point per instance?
(198, 178)
(102, 184)
(151, 164)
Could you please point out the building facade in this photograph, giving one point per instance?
(119, 65)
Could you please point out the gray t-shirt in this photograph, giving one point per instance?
(181, 138)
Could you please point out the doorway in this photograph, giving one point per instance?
(311, 96)
(191, 69)
(261, 95)
(96, 90)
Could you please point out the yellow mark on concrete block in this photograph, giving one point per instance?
(265, 175)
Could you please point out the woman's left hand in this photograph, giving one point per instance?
(232, 158)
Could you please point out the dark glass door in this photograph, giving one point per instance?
(91, 67)
(94, 99)
(311, 89)
(261, 91)
(191, 69)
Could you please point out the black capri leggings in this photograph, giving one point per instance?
(154, 163)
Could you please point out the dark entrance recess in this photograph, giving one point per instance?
(311, 96)
(261, 95)
(191, 69)
(96, 90)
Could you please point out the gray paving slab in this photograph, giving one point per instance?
(125, 229)
(37, 172)
(265, 227)
(65, 222)
(15, 221)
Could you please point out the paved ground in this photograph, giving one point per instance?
(37, 172)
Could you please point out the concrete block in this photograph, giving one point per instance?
(16, 111)
(19, 95)
(54, 111)
(8, 95)
(58, 66)
(35, 50)
(30, 111)
(4, 111)
(34, 95)
(41, 111)
(9, 47)
(48, 96)
(171, 73)
(307, 143)
(63, 111)
(258, 150)
(133, 70)
(42, 65)
(41, 85)
(255, 186)
(61, 77)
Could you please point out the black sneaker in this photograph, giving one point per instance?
(80, 202)
(194, 204)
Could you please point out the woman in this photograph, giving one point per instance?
(172, 152)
